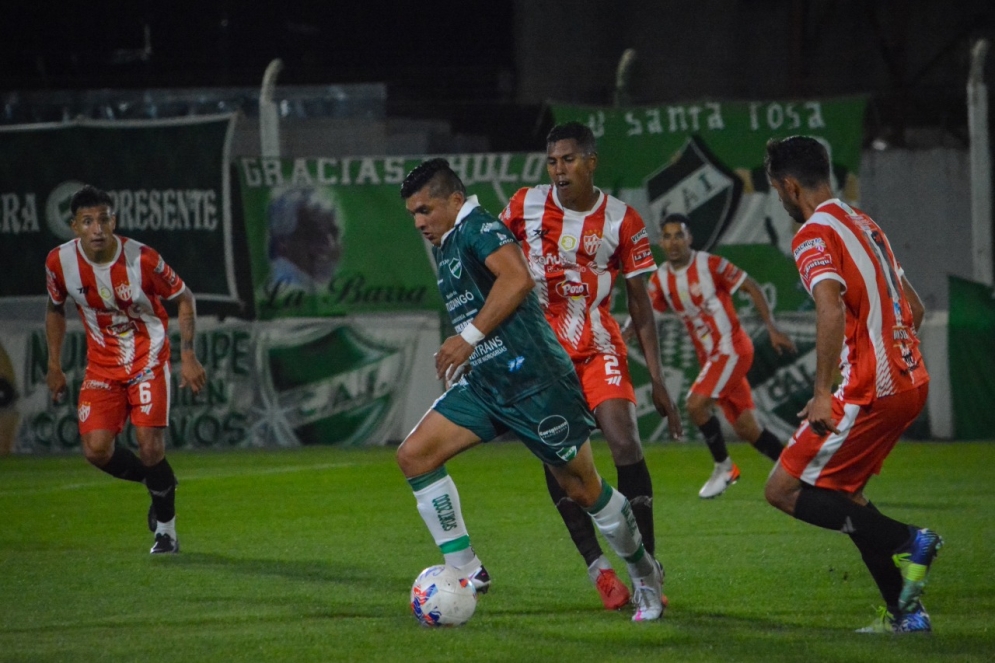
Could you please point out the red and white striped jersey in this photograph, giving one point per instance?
(575, 258)
(700, 293)
(119, 303)
(880, 354)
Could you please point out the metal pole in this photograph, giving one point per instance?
(269, 117)
(981, 166)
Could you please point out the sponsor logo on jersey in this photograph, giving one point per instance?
(815, 243)
(94, 384)
(591, 243)
(812, 264)
(539, 232)
(491, 226)
(641, 235)
(84, 411)
(568, 289)
(459, 300)
(641, 255)
(123, 291)
(568, 242)
(105, 294)
(146, 408)
(553, 429)
(615, 380)
(515, 364)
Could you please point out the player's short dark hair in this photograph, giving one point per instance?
(675, 217)
(436, 174)
(576, 131)
(801, 157)
(90, 196)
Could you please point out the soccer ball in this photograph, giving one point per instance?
(441, 597)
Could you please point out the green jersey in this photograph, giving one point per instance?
(522, 355)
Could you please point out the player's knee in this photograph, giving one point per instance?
(98, 455)
(779, 498)
(412, 459)
(699, 408)
(625, 449)
(747, 430)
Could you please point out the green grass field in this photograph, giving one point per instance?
(308, 555)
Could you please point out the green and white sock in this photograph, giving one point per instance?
(439, 506)
(612, 514)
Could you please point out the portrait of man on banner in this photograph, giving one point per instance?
(305, 240)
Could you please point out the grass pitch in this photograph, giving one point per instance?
(308, 555)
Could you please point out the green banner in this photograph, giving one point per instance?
(169, 180)
(971, 339)
(346, 382)
(330, 236)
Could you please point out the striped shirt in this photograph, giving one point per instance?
(574, 258)
(700, 293)
(119, 303)
(880, 354)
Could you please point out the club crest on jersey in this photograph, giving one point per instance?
(591, 243)
(456, 268)
(695, 289)
(568, 289)
(568, 242)
(123, 291)
(84, 411)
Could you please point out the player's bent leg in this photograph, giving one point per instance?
(617, 419)
(434, 440)
(422, 457)
(612, 515)
(782, 490)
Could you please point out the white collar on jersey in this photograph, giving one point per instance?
(833, 201)
(597, 203)
(468, 206)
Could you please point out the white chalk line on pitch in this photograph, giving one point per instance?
(192, 476)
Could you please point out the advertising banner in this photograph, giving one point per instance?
(330, 236)
(169, 180)
(347, 382)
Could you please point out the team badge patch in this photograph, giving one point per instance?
(591, 243)
(123, 291)
(84, 411)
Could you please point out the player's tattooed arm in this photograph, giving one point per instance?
(192, 374)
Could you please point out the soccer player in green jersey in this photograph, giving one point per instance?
(519, 379)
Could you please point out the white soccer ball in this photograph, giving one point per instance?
(441, 597)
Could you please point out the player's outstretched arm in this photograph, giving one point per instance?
(511, 285)
(918, 309)
(192, 374)
(55, 334)
(778, 339)
(642, 321)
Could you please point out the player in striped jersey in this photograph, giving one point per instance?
(698, 287)
(577, 240)
(867, 314)
(116, 284)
